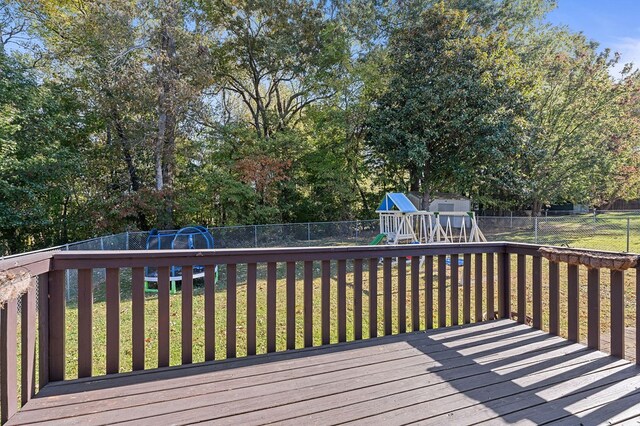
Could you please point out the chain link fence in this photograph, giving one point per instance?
(603, 231)
(609, 232)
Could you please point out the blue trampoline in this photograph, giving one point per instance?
(188, 238)
(448, 261)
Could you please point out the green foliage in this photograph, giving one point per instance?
(453, 104)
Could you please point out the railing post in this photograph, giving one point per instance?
(617, 314)
(43, 330)
(28, 349)
(504, 283)
(8, 360)
(637, 316)
(56, 326)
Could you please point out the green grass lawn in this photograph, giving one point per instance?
(606, 232)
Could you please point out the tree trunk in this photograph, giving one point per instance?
(165, 139)
(134, 181)
(426, 191)
(414, 180)
(426, 198)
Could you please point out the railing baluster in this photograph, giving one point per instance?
(209, 312)
(8, 360)
(428, 291)
(402, 294)
(522, 288)
(491, 310)
(466, 289)
(617, 314)
(291, 305)
(415, 293)
(43, 330)
(57, 304)
(325, 299)
(271, 306)
(357, 299)
(163, 316)
(137, 320)
(308, 304)
(442, 291)
(251, 308)
(231, 310)
(28, 334)
(573, 331)
(593, 308)
(637, 315)
(504, 285)
(113, 320)
(537, 292)
(85, 322)
(478, 287)
(455, 282)
(342, 300)
(187, 314)
(386, 300)
(554, 298)
(373, 297)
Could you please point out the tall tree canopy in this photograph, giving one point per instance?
(453, 105)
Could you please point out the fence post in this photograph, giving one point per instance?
(308, 233)
(255, 235)
(127, 240)
(511, 221)
(357, 232)
(535, 232)
(628, 232)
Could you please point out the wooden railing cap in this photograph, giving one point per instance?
(590, 258)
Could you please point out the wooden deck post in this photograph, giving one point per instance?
(57, 304)
(504, 285)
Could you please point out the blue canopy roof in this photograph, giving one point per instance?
(397, 200)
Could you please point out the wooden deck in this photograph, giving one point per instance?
(496, 372)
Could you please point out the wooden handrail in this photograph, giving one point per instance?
(155, 258)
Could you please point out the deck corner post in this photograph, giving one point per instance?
(504, 283)
(56, 325)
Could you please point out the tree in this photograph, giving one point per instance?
(43, 135)
(280, 56)
(139, 67)
(580, 123)
(452, 107)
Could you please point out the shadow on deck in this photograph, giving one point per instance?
(496, 372)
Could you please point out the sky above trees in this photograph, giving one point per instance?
(612, 23)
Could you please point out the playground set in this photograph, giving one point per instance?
(402, 223)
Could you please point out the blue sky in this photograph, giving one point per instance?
(612, 23)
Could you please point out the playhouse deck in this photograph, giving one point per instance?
(496, 372)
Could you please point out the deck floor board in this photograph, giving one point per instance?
(496, 372)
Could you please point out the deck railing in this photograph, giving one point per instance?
(268, 300)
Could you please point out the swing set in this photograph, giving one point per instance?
(402, 223)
